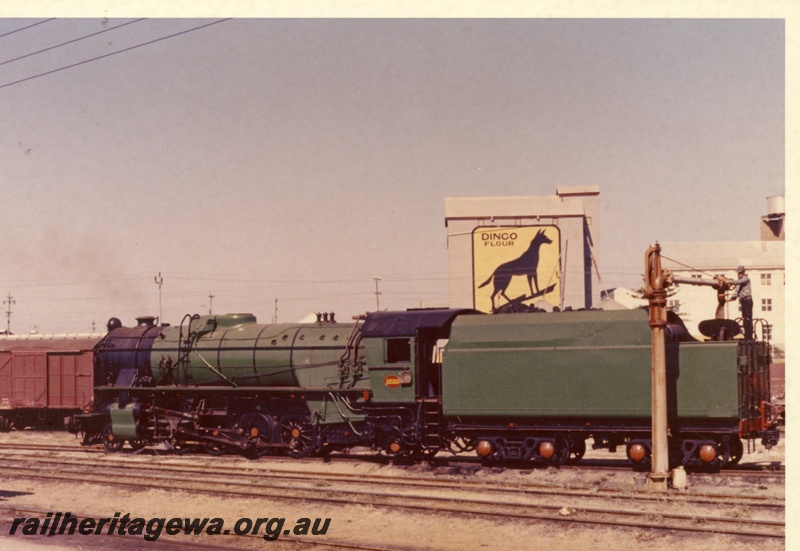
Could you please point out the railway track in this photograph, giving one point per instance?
(418, 494)
(769, 470)
(408, 480)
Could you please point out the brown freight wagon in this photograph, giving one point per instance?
(44, 378)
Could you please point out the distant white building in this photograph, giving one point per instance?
(764, 262)
(620, 298)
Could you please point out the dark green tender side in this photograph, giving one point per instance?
(572, 365)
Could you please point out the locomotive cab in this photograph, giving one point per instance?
(402, 352)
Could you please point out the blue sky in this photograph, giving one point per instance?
(294, 159)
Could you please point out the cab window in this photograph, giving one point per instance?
(398, 350)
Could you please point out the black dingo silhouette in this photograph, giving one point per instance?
(527, 265)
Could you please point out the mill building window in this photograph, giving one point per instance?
(766, 279)
(766, 305)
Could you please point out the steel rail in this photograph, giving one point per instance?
(518, 488)
(771, 470)
(451, 505)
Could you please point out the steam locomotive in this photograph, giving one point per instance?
(514, 387)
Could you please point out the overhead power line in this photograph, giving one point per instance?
(114, 53)
(72, 41)
(28, 27)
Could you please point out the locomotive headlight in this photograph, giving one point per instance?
(708, 453)
(484, 448)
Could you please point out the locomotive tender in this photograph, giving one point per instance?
(509, 387)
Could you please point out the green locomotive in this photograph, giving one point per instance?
(509, 387)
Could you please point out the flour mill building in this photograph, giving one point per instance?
(523, 250)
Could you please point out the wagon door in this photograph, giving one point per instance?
(30, 380)
(70, 379)
(6, 380)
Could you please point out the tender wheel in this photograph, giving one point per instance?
(577, 449)
(736, 450)
(111, 443)
(554, 452)
(462, 444)
(563, 450)
(298, 432)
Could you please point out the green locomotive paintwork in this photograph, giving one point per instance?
(578, 365)
(417, 382)
(124, 422)
(240, 357)
(233, 350)
(391, 381)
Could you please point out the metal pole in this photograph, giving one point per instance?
(9, 302)
(159, 281)
(377, 294)
(656, 281)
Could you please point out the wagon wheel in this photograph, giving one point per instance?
(111, 442)
(298, 433)
(6, 424)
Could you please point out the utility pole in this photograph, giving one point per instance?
(275, 313)
(159, 282)
(9, 301)
(377, 293)
(210, 302)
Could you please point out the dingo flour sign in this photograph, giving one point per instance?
(517, 264)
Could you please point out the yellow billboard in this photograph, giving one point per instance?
(515, 265)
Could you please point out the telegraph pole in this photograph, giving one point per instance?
(377, 294)
(210, 302)
(159, 282)
(275, 313)
(9, 301)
